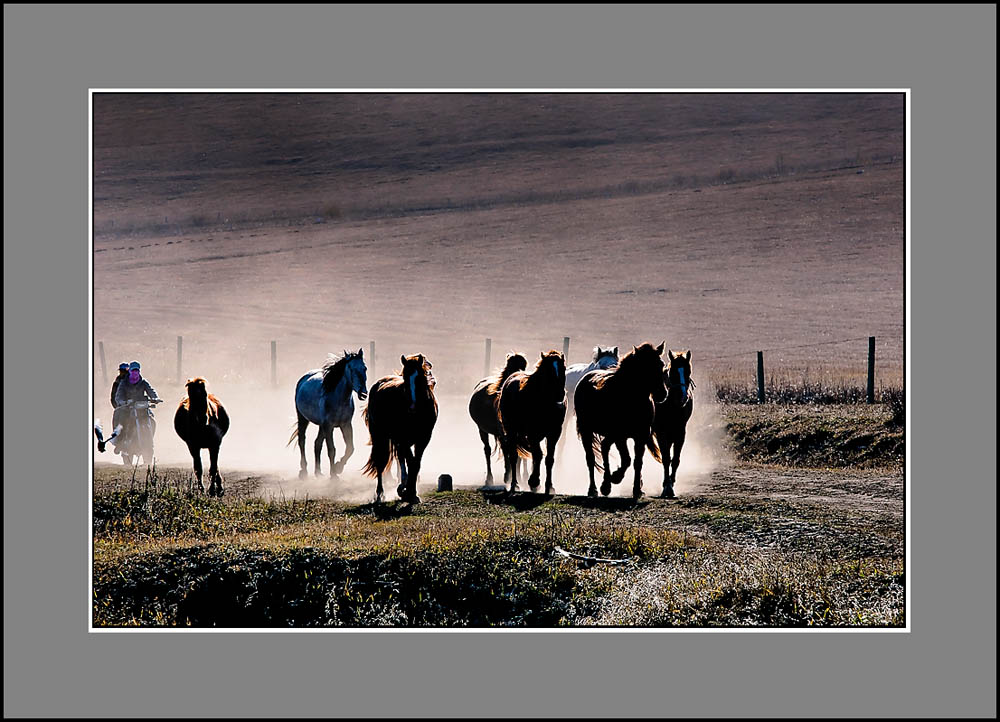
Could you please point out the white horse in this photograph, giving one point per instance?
(323, 397)
(604, 359)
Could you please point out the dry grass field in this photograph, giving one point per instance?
(724, 224)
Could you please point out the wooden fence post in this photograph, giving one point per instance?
(489, 357)
(566, 347)
(180, 343)
(104, 366)
(871, 370)
(274, 364)
(760, 376)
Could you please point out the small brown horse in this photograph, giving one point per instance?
(483, 408)
(672, 416)
(614, 406)
(532, 407)
(201, 422)
(401, 414)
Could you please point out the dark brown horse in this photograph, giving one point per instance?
(483, 408)
(201, 422)
(614, 406)
(532, 407)
(672, 416)
(400, 415)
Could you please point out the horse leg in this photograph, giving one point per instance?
(605, 449)
(550, 459)
(303, 464)
(318, 448)
(675, 461)
(407, 488)
(511, 459)
(196, 457)
(640, 449)
(587, 439)
(348, 433)
(536, 464)
(561, 445)
(486, 451)
(622, 446)
(331, 450)
(414, 471)
(403, 471)
(213, 471)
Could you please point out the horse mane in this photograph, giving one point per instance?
(625, 363)
(333, 370)
(196, 404)
(550, 355)
(515, 362)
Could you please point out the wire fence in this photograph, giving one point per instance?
(252, 367)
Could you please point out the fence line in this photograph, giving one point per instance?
(488, 359)
(784, 348)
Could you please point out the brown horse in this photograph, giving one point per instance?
(483, 408)
(614, 406)
(401, 414)
(532, 407)
(201, 422)
(672, 416)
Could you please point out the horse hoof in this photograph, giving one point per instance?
(549, 490)
(513, 488)
(606, 487)
(401, 491)
(378, 499)
(303, 474)
(636, 493)
(668, 493)
(592, 492)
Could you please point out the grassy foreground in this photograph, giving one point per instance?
(758, 545)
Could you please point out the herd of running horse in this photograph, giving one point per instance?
(638, 398)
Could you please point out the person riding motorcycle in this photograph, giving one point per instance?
(119, 417)
(132, 389)
(122, 375)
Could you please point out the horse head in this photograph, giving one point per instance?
(196, 389)
(605, 358)
(356, 372)
(416, 376)
(678, 373)
(647, 362)
(552, 367)
(515, 362)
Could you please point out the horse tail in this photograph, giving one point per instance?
(295, 434)
(595, 445)
(654, 450)
(523, 451)
(383, 449)
(295, 427)
(384, 452)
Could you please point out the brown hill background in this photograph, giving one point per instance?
(723, 223)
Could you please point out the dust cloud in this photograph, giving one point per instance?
(263, 419)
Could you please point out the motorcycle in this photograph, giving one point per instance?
(136, 438)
